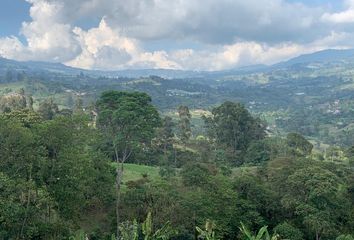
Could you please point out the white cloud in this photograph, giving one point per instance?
(231, 33)
(11, 47)
(346, 16)
(104, 48)
(47, 40)
(342, 17)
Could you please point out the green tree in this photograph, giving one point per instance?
(30, 103)
(233, 127)
(345, 237)
(288, 231)
(26, 117)
(166, 134)
(75, 173)
(26, 206)
(79, 105)
(184, 124)
(48, 109)
(127, 120)
(314, 194)
(298, 144)
(13, 101)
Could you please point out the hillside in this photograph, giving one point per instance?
(310, 94)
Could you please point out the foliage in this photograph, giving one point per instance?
(233, 127)
(48, 109)
(299, 144)
(57, 175)
(345, 237)
(130, 231)
(208, 233)
(184, 123)
(287, 231)
(127, 120)
(262, 234)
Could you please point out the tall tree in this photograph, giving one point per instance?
(30, 103)
(315, 195)
(184, 123)
(233, 127)
(48, 109)
(166, 134)
(127, 120)
(79, 105)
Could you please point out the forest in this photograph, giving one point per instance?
(120, 168)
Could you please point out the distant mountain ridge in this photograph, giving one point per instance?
(329, 55)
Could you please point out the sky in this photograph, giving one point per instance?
(172, 34)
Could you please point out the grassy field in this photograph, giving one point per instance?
(133, 172)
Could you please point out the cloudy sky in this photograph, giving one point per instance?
(175, 34)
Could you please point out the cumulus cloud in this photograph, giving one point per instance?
(231, 33)
(209, 21)
(47, 39)
(104, 48)
(346, 16)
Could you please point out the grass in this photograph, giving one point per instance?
(133, 172)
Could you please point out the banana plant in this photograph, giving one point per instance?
(164, 233)
(80, 235)
(129, 230)
(262, 234)
(208, 233)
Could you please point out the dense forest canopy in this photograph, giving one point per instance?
(118, 167)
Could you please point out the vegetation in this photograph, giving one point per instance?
(119, 169)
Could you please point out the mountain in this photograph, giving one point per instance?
(36, 66)
(306, 94)
(325, 56)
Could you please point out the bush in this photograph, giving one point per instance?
(287, 231)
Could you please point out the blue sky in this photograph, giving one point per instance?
(12, 14)
(184, 34)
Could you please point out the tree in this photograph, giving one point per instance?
(233, 127)
(298, 144)
(48, 109)
(287, 231)
(314, 194)
(24, 203)
(258, 152)
(165, 135)
(345, 237)
(79, 108)
(127, 120)
(74, 172)
(30, 103)
(164, 140)
(25, 116)
(184, 124)
(13, 101)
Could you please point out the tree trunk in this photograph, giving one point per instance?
(118, 182)
(119, 178)
(119, 172)
(24, 222)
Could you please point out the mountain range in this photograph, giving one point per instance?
(329, 56)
